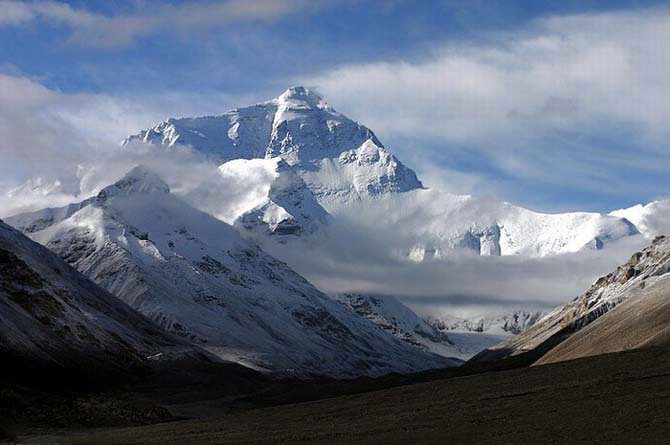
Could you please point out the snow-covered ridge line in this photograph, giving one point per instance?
(196, 277)
(506, 323)
(50, 313)
(289, 165)
(651, 220)
(339, 159)
(348, 170)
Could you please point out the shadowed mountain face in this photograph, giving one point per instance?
(626, 309)
(54, 317)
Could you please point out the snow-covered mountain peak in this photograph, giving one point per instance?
(138, 180)
(196, 277)
(273, 198)
(504, 323)
(342, 168)
(651, 219)
(338, 159)
(42, 186)
(301, 97)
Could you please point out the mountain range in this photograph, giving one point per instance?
(431, 334)
(282, 172)
(346, 168)
(195, 276)
(505, 323)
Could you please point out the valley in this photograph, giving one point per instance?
(296, 282)
(334, 221)
(565, 402)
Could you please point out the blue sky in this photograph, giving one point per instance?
(552, 105)
(304, 40)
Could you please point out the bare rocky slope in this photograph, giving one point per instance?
(626, 309)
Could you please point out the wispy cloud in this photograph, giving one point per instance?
(580, 98)
(47, 133)
(91, 29)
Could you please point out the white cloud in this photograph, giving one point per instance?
(14, 13)
(575, 97)
(359, 258)
(117, 31)
(48, 133)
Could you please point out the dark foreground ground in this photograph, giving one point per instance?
(616, 398)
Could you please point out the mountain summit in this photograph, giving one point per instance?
(333, 166)
(301, 96)
(339, 160)
(138, 180)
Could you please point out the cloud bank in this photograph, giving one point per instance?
(59, 148)
(356, 257)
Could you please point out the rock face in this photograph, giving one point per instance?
(625, 309)
(393, 317)
(196, 277)
(339, 159)
(396, 319)
(53, 315)
(507, 323)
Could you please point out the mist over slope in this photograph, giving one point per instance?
(196, 277)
